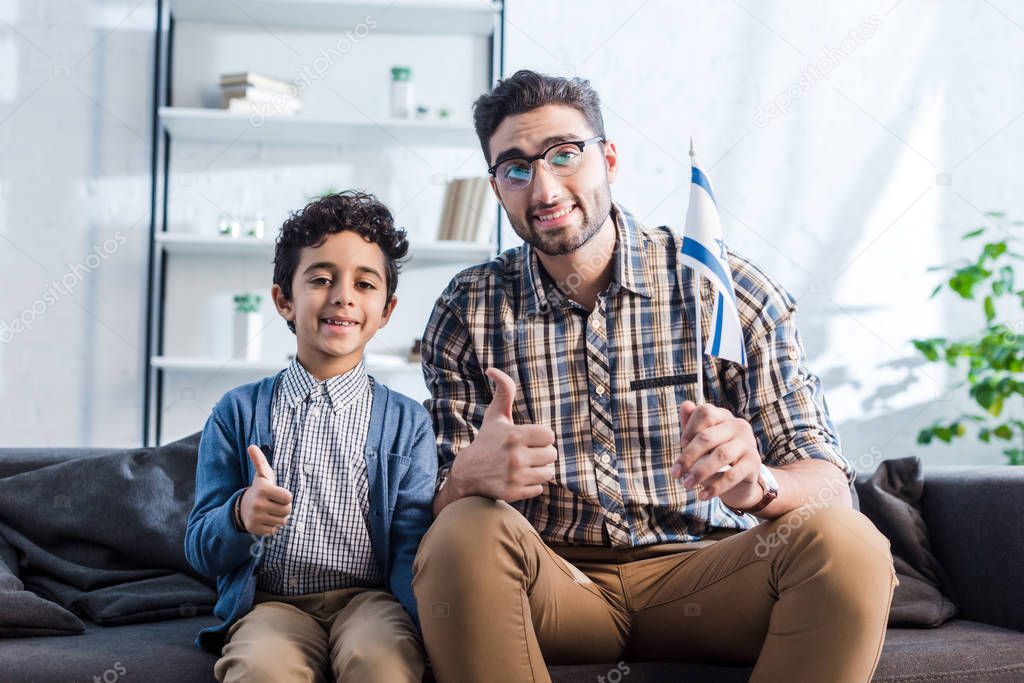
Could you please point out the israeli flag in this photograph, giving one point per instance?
(705, 252)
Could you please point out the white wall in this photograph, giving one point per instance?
(839, 198)
(74, 155)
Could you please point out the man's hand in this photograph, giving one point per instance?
(265, 505)
(713, 439)
(506, 461)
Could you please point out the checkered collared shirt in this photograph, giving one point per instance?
(319, 434)
(608, 382)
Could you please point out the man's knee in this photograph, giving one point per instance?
(844, 549)
(466, 530)
(836, 531)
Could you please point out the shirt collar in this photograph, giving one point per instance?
(628, 267)
(298, 384)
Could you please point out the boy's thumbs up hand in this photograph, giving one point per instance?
(259, 462)
(265, 505)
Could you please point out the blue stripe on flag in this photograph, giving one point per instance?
(699, 252)
(716, 343)
(697, 177)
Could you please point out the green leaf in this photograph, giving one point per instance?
(994, 250)
(938, 288)
(927, 347)
(990, 309)
(996, 214)
(1003, 432)
(973, 233)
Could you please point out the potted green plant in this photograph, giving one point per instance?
(248, 326)
(991, 361)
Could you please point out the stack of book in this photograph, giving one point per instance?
(465, 215)
(247, 93)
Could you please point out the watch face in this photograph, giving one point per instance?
(769, 478)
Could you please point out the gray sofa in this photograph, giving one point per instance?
(975, 517)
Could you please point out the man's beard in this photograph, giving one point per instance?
(558, 242)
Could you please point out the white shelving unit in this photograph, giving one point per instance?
(376, 363)
(472, 17)
(217, 125)
(172, 246)
(420, 253)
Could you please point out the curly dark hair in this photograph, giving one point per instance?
(527, 90)
(360, 212)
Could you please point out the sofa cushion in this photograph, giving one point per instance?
(159, 652)
(154, 652)
(891, 498)
(958, 651)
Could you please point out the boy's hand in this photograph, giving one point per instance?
(506, 461)
(265, 505)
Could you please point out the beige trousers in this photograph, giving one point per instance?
(804, 597)
(350, 634)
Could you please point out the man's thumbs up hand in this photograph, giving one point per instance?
(265, 505)
(506, 461)
(504, 396)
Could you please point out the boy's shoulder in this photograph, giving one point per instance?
(399, 406)
(243, 398)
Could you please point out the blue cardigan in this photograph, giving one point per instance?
(401, 464)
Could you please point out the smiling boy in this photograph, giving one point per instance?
(313, 486)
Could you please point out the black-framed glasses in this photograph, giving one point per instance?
(562, 159)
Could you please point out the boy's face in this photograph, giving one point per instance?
(338, 302)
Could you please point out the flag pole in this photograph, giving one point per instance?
(699, 400)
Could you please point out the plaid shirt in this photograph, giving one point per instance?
(319, 434)
(608, 382)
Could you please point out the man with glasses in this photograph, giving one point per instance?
(587, 510)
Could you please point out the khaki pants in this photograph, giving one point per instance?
(804, 597)
(350, 634)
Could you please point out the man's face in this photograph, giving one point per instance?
(555, 214)
(338, 299)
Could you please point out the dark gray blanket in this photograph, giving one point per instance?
(103, 538)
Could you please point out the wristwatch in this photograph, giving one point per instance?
(771, 491)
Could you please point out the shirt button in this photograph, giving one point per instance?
(615, 517)
(308, 468)
(793, 354)
(600, 390)
(300, 527)
(605, 459)
(314, 412)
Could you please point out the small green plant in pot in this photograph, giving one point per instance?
(990, 361)
(248, 326)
